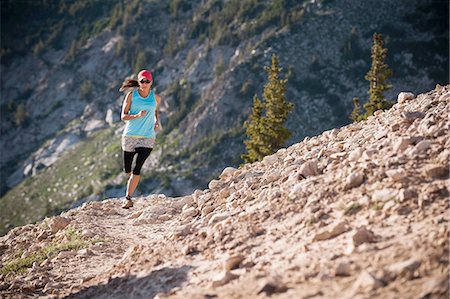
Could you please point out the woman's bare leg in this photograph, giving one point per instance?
(132, 184)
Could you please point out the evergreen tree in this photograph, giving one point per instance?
(356, 113)
(377, 77)
(254, 130)
(265, 131)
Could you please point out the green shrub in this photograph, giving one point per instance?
(86, 88)
(19, 265)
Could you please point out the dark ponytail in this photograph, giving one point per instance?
(128, 83)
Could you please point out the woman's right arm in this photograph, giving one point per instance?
(126, 109)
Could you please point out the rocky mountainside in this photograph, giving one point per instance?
(355, 212)
(208, 58)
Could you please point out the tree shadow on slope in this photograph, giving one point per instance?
(132, 287)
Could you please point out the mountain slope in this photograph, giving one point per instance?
(208, 60)
(354, 212)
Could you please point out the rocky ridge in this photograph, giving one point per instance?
(356, 212)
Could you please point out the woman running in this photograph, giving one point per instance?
(140, 113)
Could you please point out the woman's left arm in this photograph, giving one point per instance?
(158, 101)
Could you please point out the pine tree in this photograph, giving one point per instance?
(356, 113)
(254, 130)
(377, 77)
(265, 131)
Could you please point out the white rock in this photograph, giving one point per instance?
(216, 218)
(389, 205)
(204, 199)
(270, 160)
(403, 97)
(406, 266)
(355, 154)
(384, 194)
(223, 278)
(367, 281)
(190, 212)
(309, 168)
(227, 172)
(423, 145)
(335, 230)
(111, 117)
(94, 124)
(354, 180)
(213, 184)
(400, 145)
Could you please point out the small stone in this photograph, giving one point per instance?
(403, 210)
(436, 171)
(384, 194)
(328, 234)
(216, 218)
(423, 146)
(367, 281)
(309, 168)
(395, 127)
(213, 184)
(42, 236)
(58, 223)
(227, 172)
(190, 212)
(354, 180)
(223, 279)
(206, 210)
(233, 262)
(396, 174)
(363, 236)
(272, 287)
(436, 286)
(410, 117)
(389, 205)
(343, 269)
(164, 217)
(87, 233)
(84, 252)
(355, 154)
(270, 160)
(135, 215)
(404, 267)
(65, 255)
(400, 145)
(406, 194)
(188, 249)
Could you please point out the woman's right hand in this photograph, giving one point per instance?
(142, 113)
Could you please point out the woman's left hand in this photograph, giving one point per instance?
(157, 127)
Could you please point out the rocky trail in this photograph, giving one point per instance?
(356, 212)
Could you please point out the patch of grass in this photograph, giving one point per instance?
(85, 169)
(352, 209)
(378, 206)
(19, 265)
(312, 220)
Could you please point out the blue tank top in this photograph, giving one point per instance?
(142, 126)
